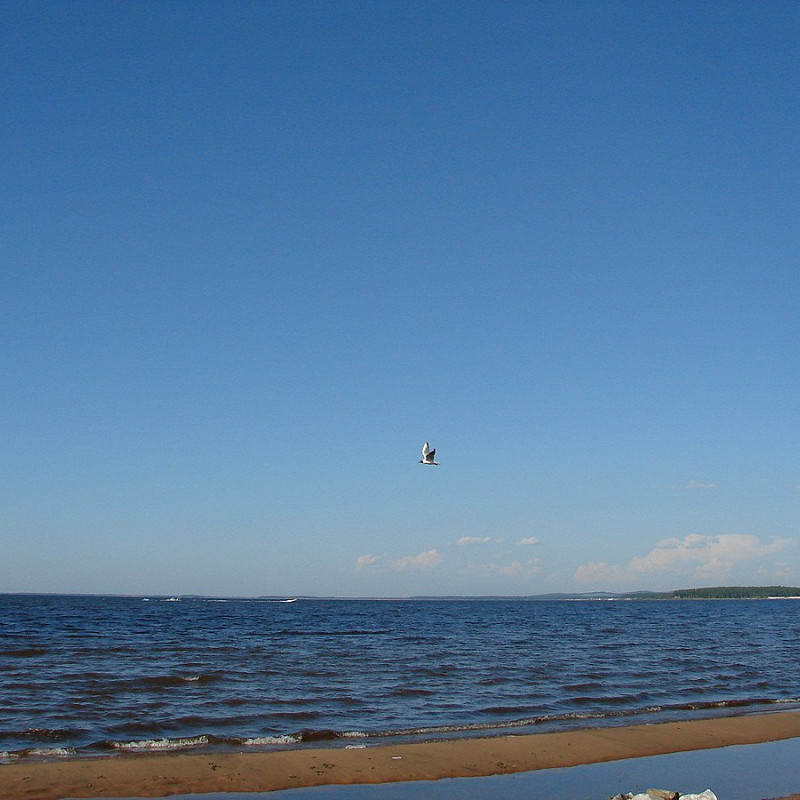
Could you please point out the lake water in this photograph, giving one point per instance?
(106, 675)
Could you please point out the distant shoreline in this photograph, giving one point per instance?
(704, 593)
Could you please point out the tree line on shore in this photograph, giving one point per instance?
(705, 593)
(721, 593)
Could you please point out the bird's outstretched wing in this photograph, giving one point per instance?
(425, 450)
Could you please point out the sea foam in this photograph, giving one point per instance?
(161, 744)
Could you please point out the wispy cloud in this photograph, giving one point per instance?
(530, 566)
(693, 484)
(701, 557)
(529, 540)
(362, 562)
(466, 540)
(425, 560)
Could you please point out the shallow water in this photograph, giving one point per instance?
(93, 675)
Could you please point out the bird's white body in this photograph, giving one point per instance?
(428, 455)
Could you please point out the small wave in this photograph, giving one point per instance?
(25, 652)
(316, 735)
(708, 705)
(333, 634)
(300, 737)
(267, 740)
(578, 716)
(610, 700)
(298, 715)
(48, 734)
(50, 752)
(583, 687)
(305, 735)
(504, 710)
(165, 681)
(160, 744)
(495, 680)
(409, 692)
(347, 700)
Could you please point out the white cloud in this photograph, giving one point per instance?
(531, 566)
(701, 557)
(366, 561)
(708, 554)
(426, 560)
(464, 540)
(529, 540)
(693, 484)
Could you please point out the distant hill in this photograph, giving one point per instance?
(708, 593)
(721, 593)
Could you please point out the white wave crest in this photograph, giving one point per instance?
(262, 740)
(161, 744)
(59, 752)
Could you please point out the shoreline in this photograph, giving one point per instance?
(161, 775)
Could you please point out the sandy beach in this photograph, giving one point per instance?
(163, 775)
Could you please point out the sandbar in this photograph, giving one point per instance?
(162, 775)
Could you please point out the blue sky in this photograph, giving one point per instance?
(254, 254)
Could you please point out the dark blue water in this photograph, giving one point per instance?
(94, 675)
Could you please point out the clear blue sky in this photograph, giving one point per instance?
(253, 254)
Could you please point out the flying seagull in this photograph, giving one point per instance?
(428, 455)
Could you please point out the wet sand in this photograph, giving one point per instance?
(155, 775)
